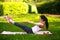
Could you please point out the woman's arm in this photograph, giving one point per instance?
(29, 22)
(39, 24)
(32, 22)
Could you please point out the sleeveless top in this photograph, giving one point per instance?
(36, 28)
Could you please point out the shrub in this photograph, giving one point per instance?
(15, 8)
(51, 7)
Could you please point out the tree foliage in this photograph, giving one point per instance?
(51, 7)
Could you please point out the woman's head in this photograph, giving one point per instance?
(44, 18)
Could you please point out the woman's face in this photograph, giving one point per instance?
(41, 19)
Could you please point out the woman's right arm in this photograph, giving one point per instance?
(34, 23)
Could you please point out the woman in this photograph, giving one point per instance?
(35, 29)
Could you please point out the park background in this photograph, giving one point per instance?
(20, 10)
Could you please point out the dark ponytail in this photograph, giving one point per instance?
(47, 25)
(46, 21)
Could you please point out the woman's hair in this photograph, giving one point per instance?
(46, 21)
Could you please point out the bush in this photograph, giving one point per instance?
(51, 7)
(15, 8)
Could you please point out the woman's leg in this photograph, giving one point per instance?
(25, 28)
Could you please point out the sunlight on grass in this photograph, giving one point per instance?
(54, 27)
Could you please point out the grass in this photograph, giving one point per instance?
(54, 27)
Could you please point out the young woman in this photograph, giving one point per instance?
(35, 29)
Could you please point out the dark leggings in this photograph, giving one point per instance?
(25, 28)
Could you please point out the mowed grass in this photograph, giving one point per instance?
(54, 27)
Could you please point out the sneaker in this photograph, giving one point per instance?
(8, 19)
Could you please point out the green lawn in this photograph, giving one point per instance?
(54, 27)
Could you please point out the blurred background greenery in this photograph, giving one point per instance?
(29, 6)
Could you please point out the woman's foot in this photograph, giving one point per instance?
(8, 19)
